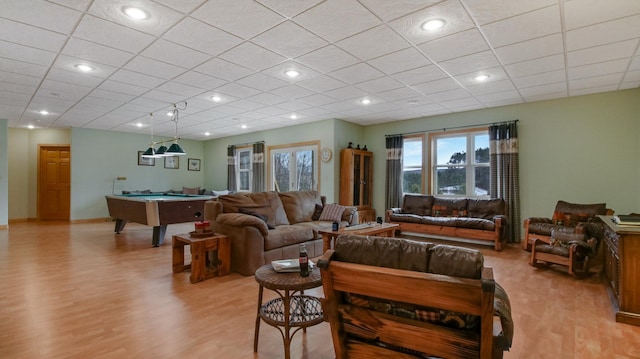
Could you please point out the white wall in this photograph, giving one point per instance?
(4, 175)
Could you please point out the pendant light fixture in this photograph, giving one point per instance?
(174, 149)
(151, 152)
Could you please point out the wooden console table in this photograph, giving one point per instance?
(622, 269)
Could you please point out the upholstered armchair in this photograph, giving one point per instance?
(568, 218)
(573, 250)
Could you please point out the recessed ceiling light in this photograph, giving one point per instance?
(207, 133)
(293, 116)
(31, 127)
(170, 113)
(292, 73)
(44, 112)
(84, 67)
(139, 124)
(244, 126)
(135, 13)
(481, 78)
(433, 25)
(216, 98)
(365, 101)
(413, 102)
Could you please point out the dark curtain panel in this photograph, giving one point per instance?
(394, 171)
(231, 169)
(258, 167)
(505, 177)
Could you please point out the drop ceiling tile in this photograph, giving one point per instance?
(496, 74)
(151, 67)
(601, 68)
(224, 98)
(38, 13)
(247, 105)
(539, 79)
(224, 15)
(631, 79)
(289, 39)
(237, 90)
(617, 50)
(31, 36)
(180, 89)
(184, 6)
(125, 91)
(464, 103)
(530, 25)
(293, 105)
(357, 73)
(544, 64)
(321, 83)
(346, 93)
(436, 86)
(26, 54)
(175, 54)
(543, 92)
(23, 68)
(273, 111)
(317, 100)
(200, 80)
(380, 85)
(146, 104)
(596, 81)
(512, 96)
(293, 91)
(201, 102)
(110, 34)
(279, 70)
(161, 18)
(91, 51)
(493, 86)
(403, 93)
(484, 12)
(18, 79)
(105, 91)
(81, 5)
(420, 75)
(588, 12)
(604, 33)
(73, 77)
(252, 56)
(223, 69)
(457, 19)
(470, 63)
(375, 42)
(334, 20)
(267, 98)
(592, 90)
(136, 78)
(9, 95)
(467, 42)
(289, 8)
(531, 49)
(399, 61)
(444, 96)
(389, 10)
(328, 58)
(202, 37)
(262, 82)
(63, 90)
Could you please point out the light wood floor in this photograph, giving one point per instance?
(80, 291)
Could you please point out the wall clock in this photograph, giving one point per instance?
(325, 154)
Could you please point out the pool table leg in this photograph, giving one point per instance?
(158, 235)
(120, 223)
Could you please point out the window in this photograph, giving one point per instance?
(294, 167)
(412, 164)
(243, 172)
(460, 163)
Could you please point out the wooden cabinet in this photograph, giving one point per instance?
(622, 269)
(356, 172)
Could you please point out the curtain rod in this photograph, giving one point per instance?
(246, 143)
(454, 128)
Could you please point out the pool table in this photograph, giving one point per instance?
(157, 210)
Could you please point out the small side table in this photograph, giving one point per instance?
(289, 310)
(221, 264)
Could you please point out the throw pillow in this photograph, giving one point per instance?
(263, 217)
(220, 193)
(332, 212)
(317, 212)
(190, 190)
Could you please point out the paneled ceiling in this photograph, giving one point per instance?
(345, 51)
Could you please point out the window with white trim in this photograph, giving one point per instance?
(460, 163)
(294, 168)
(244, 166)
(413, 164)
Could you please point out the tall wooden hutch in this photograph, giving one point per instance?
(356, 187)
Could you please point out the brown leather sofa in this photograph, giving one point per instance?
(468, 218)
(268, 226)
(397, 298)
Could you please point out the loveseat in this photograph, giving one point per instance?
(267, 226)
(466, 218)
(397, 298)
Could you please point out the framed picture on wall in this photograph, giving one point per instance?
(145, 161)
(194, 164)
(172, 162)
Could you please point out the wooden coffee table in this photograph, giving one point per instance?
(288, 310)
(381, 230)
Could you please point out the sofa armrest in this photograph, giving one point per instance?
(243, 220)
(350, 215)
(389, 212)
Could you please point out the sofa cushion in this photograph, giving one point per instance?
(261, 212)
(383, 252)
(232, 202)
(449, 206)
(332, 212)
(456, 261)
(190, 190)
(486, 208)
(300, 205)
(571, 213)
(287, 235)
(417, 204)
